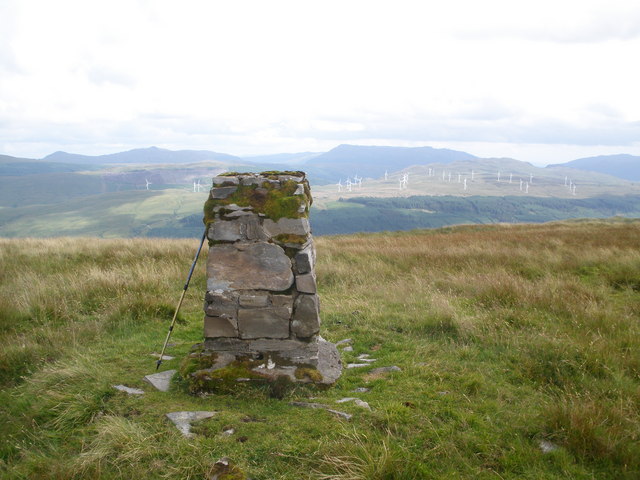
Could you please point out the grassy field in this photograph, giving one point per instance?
(507, 336)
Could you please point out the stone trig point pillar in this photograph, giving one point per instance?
(261, 307)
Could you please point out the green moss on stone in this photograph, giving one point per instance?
(291, 238)
(275, 202)
(198, 375)
(311, 373)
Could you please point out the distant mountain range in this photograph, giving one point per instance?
(159, 192)
(151, 155)
(322, 168)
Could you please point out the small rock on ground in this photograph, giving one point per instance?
(362, 404)
(356, 401)
(161, 380)
(346, 399)
(129, 390)
(342, 342)
(348, 349)
(546, 446)
(361, 390)
(183, 420)
(357, 365)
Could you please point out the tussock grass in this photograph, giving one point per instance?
(506, 335)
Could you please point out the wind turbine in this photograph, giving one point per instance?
(526, 188)
(385, 175)
(198, 185)
(465, 183)
(194, 186)
(498, 176)
(348, 184)
(339, 184)
(510, 177)
(148, 183)
(459, 178)
(472, 175)
(520, 184)
(531, 178)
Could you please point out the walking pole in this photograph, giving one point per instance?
(184, 290)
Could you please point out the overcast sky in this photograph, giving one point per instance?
(543, 81)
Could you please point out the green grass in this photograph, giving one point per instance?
(506, 336)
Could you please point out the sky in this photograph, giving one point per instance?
(545, 81)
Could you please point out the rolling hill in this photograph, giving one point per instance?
(622, 166)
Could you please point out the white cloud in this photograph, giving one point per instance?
(289, 75)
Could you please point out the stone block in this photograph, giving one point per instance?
(282, 301)
(251, 228)
(306, 283)
(238, 213)
(222, 192)
(222, 180)
(215, 310)
(222, 231)
(216, 327)
(252, 266)
(251, 181)
(306, 316)
(270, 322)
(221, 299)
(284, 226)
(254, 300)
(299, 189)
(305, 260)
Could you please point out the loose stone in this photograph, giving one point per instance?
(361, 390)
(164, 357)
(129, 390)
(161, 380)
(183, 420)
(547, 447)
(357, 365)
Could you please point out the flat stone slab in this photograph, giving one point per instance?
(183, 420)
(357, 365)
(161, 380)
(164, 357)
(346, 416)
(251, 266)
(356, 401)
(129, 390)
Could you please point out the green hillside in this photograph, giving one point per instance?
(517, 349)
